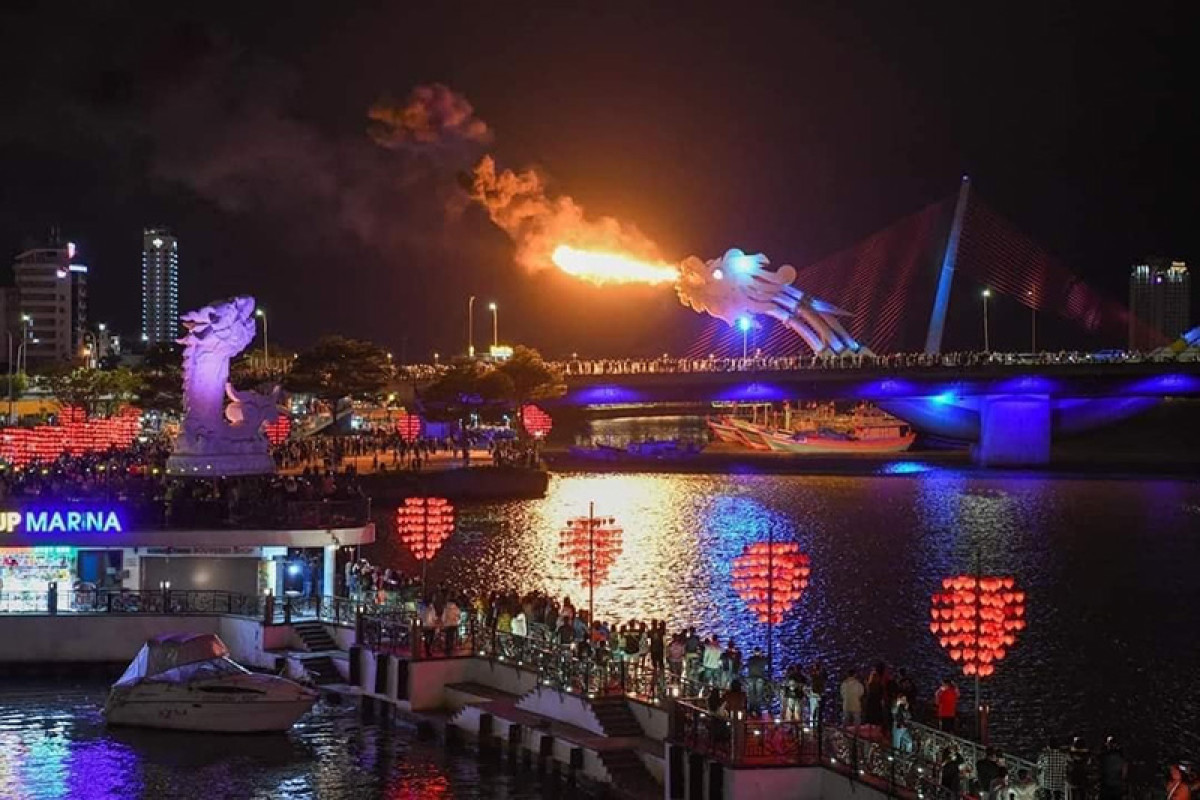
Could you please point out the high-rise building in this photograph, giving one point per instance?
(1159, 300)
(53, 295)
(160, 286)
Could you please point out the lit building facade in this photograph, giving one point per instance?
(160, 286)
(1159, 303)
(52, 292)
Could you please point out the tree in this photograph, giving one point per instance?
(337, 367)
(532, 379)
(160, 379)
(98, 392)
(468, 384)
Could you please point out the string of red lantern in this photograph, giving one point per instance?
(976, 620)
(408, 426)
(770, 578)
(591, 546)
(74, 434)
(537, 422)
(424, 525)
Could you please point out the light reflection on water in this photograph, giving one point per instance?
(53, 744)
(1110, 567)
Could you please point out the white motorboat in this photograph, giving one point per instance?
(188, 682)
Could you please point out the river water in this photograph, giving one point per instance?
(53, 744)
(1111, 569)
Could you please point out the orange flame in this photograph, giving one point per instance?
(600, 268)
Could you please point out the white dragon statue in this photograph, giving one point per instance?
(215, 439)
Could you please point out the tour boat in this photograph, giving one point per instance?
(884, 439)
(188, 682)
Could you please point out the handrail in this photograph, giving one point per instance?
(271, 610)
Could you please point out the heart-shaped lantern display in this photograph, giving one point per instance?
(977, 619)
(770, 578)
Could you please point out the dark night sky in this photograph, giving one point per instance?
(793, 132)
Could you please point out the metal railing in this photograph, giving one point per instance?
(271, 610)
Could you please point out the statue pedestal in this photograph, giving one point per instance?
(216, 465)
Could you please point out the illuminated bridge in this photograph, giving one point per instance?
(1011, 411)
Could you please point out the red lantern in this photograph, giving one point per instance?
(424, 524)
(770, 578)
(537, 422)
(976, 619)
(408, 426)
(279, 430)
(591, 545)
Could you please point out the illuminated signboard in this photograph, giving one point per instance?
(41, 520)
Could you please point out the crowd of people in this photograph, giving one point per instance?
(757, 360)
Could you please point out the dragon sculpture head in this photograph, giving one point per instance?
(226, 327)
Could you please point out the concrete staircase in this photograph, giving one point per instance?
(316, 639)
(614, 716)
(323, 670)
(624, 765)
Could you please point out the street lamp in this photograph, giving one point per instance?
(258, 312)
(986, 294)
(471, 327)
(436, 356)
(23, 349)
(745, 324)
(495, 325)
(1032, 322)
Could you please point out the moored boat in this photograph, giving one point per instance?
(188, 682)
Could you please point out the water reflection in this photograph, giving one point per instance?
(53, 744)
(1108, 566)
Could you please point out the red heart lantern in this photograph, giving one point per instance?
(279, 430)
(536, 421)
(984, 613)
(408, 426)
(770, 578)
(591, 545)
(424, 524)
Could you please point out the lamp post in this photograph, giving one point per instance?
(22, 350)
(744, 323)
(1032, 322)
(495, 324)
(258, 312)
(986, 294)
(471, 327)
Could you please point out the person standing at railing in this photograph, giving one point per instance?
(675, 655)
(731, 664)
(1114, 771)
(712, 661)
(693, 651)
(852, 691)
(756, 678)
(430, 623)
(451, 618)
(902, 725)
(950, 771)
(946, 699)
(990, 773)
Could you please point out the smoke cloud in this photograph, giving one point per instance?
(229, 134)
(433, 116)
(520, 205)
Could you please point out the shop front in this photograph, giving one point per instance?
(80, 548)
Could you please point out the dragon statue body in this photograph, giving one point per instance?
(738, 287)
(216, 439)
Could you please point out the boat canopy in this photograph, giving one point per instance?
(168, 652)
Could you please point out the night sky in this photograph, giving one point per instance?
(243, 126)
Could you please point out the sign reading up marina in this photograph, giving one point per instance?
(45, 520)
